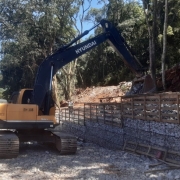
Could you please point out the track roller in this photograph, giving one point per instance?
(65, 143)
(9, 145)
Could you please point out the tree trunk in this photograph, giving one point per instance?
(151, 23)
(163, 57)
(153, 53)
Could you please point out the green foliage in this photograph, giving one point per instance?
(30, 31)
(1, 89)
(102, 65)
(170, 30)
(1, 93)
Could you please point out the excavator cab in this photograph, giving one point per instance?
(21, 97)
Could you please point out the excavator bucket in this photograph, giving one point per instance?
(141, 85)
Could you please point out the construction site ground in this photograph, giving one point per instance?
(91, 162)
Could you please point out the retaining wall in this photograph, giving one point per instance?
(104, 135)
(165, 135)
(153, 120)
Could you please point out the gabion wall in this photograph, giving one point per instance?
(104, 135)
(165, 135)
(152, 133)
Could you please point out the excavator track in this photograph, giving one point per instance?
(65, 143)
(9, 145)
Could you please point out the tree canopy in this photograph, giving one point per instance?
(32, 30)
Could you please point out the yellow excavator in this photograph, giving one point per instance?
(30, 116)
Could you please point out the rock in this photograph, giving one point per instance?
(63, 103)
(170, 175)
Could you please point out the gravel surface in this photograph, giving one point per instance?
(91, 162)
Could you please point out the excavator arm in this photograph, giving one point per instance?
(32, 112)
(68, 53)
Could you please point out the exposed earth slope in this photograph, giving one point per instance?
(95, 94)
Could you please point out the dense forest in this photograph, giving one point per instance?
(31, 30)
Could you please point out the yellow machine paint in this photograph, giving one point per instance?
(23, 112)
(3, 112)
(20, 96)
(19, 112)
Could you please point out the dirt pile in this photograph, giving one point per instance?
(172, 78)
(95, 94)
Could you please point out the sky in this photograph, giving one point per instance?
(88, 25)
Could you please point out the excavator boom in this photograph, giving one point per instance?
(32, 111)
(68, 53)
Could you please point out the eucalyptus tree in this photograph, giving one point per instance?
(30, 31)
(173, 31)
(163, 57)
(103, 65)
(150, 11)
(68, 74)
(158, 26)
